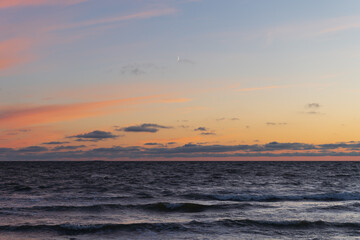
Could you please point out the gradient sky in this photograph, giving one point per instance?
(179, 80)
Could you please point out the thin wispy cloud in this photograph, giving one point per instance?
(208, 133)
(16, 132)
(139, 68)
(14, 52)
(176, 100)
(231, 119)
(312, 113)
(342, 24)
(110, 20)
(134, 69)
(276, 123)
(304, 30)
(262, 88)
(27, 115)
(27, 3)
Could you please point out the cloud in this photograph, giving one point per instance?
(95, 135)
(16, 132)
(190, 150)
(35, 34)
(204, 131)
(153, 144)
(59, 148)
(351, 145)
(55, 143)
(116, 149)
(176, 100)
(311, 29)
(196, 148)
(27, 115)
(313, 105)
(208, 133)
(276, 124)
(6, 150)
(201, 129)
(184, 61)
(312, 112)
(231, 119)
(134, 71)
(32, 149)
(139, 15)
(138, 69)
(14, 52)
(87, 140)
(146, 127)
(262, 88)
(343, 27)
(272, 146)
(26, 3)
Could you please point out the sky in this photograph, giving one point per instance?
(179, 80)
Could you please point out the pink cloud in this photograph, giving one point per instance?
(17, 116)
(14, 52)
(24, 3)
(139, 15)
(27, 115)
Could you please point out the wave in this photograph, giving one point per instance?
(276, 198)
(299, 224)
(186, 207)
(75, 229)
(60, 208)
(346, 207)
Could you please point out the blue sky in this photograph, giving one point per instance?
(285, 70)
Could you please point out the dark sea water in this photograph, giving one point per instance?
(179, 200)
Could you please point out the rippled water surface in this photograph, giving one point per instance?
(179, 200)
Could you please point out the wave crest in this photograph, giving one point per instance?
(276, 198)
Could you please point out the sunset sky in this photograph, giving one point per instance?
(179, 80)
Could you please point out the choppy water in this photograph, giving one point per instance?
(179, 200)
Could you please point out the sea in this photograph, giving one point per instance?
(179, 200)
